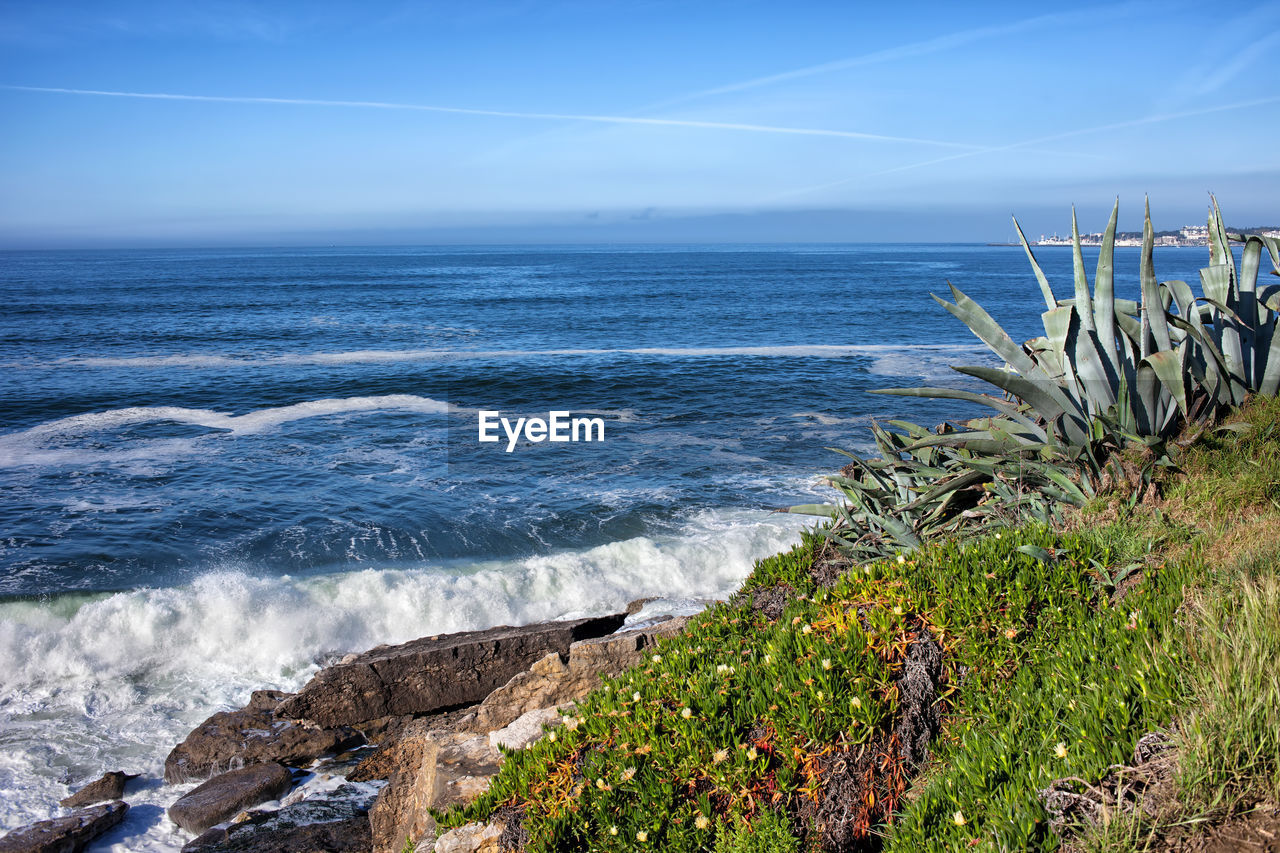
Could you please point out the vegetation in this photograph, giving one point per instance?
(918, 671)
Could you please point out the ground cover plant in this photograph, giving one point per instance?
(995, 608)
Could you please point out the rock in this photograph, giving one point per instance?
(438, 768)
(527, 729)
(433, 673)
(345, 836)
(109, 787)
(553, 680)
(471, 838)
(69, 834)
(254, 734)
(225, 795)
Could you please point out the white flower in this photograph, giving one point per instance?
(686, 713)
(751, 754)
(701, 821)
(901, 559)
(657, 658)
(642, 836)
(635, 697)
(552, 737)
(722, 668)
(958, 817)
(997, 536)
(720, 757)
(806, 628)
(613, 830)
(855, 702)
(1060, 750)
(826, 663)
(897, 610)
(628, 774)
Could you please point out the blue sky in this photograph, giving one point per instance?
(404, 122)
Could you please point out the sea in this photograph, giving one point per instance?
(222, 468)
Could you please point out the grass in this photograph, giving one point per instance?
(1060, 648)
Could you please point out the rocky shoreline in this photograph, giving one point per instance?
(394, 732)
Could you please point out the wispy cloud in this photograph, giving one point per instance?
(604, 119)
(913, 50)
(1152, 119)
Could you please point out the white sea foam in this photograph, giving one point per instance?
(223, 360)
(106, 682)
(44, 444)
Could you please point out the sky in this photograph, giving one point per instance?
(237, 123)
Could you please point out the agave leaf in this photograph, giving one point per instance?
(1152, 302)
(1046, 398)
(1250, 260)
(1104, 307)
(1219, 243)
(1170, 368)
(824, 510)
(1269, 384)
(1096, 383)
(988, 331)
(1035, 266)
(955, 484)
(1081, 280)
(1010, 410)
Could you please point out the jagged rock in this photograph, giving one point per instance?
(344, 836)
(69, 834)
(438, 769)
(553, 680)
(433, 673)
(225, 795)
(471, 838)
(252, 735)
(110, 786)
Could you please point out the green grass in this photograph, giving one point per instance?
(1231, 737)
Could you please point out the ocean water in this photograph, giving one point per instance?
(221, 468)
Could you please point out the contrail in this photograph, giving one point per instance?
(908, 51)
(1026, 143)
(605, 119)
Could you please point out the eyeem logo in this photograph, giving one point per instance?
(559, 426)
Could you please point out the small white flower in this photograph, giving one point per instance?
(751, 754)
(897, 610)
(642, 836)
(806, 628)
(958, 817)
(552, 737)
(686, 713)
(997, 536)
(1060, 750)
(901, 559)
(635, 697)
(613, 830)
(657, 658)
(826, 663)
(855, 702)
(701, 821)
(722, 668)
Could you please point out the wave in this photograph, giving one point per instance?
(114, 680)
(219, 360)
(32, 446)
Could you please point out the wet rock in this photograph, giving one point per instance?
(555, 680)
(433, 673)
(69, 834)
(252, 735)
(345, 836)
(109, 787)
(317, 820)
(225, 795)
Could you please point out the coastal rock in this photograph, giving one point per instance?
(69, 834)
(471, 838)
(225, 795)
(433, 673)
(438, 768)
(553, 680)
(254, 734)
(110, 786)
(529, 728)
(345, 836)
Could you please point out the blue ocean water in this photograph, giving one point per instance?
(218, 467)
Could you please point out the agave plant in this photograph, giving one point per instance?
(1106, 366)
